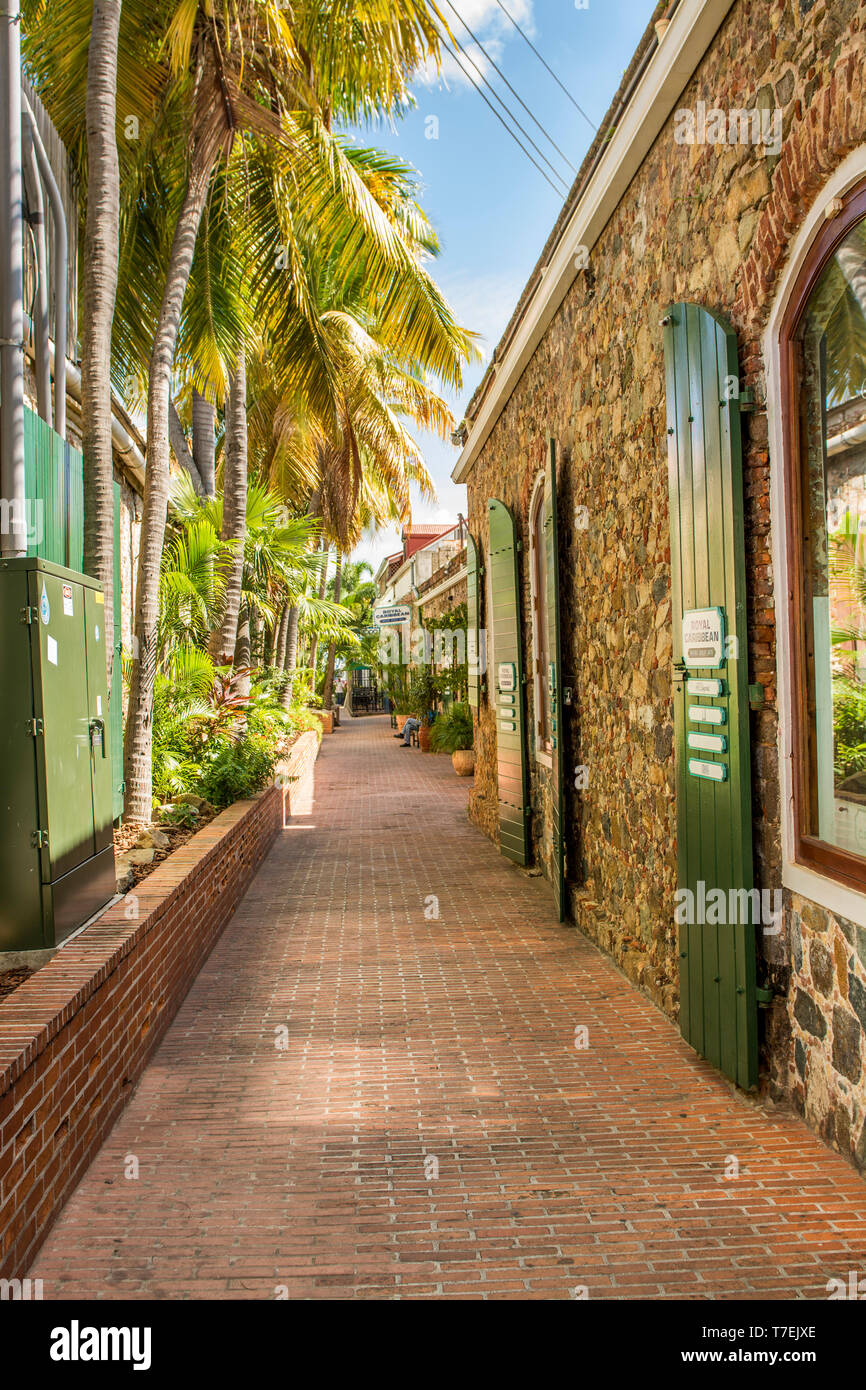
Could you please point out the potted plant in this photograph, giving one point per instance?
(395, 683)
(423, 693)
(453, 733)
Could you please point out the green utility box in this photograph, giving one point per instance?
(56, 834)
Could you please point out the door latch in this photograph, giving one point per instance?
(97, 735)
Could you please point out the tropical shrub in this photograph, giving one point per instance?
(453, 730)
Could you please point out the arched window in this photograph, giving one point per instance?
(823, 361)
(540, 644)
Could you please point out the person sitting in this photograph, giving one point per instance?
(408, 730)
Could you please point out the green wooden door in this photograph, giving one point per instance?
(553, 676)
(473, 641)
(507, 685)
(718, 1009)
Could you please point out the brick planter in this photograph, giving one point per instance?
(325, 718)
(75, 1038)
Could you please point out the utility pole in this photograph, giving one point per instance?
(13, 533)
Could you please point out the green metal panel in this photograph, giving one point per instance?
(61, 702)
(21, 922)
(54, 481)
(554, 678)
(102, 788)
(510, 716)
(718, 1008)
(473, 646)
(115, 708)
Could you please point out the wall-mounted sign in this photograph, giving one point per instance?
(507, 679)
(708, 743)
(392, 615)
(707, 714)
(711, 686)
(507, 728)
(713, 772)
(704, 637)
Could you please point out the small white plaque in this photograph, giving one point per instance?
(51, 650)
(711, 686)
(707, 714)
(708, 743)
(714, 772)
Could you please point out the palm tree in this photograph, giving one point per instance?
(98, 293)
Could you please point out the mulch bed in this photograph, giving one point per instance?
(126, 836)
(11, 979)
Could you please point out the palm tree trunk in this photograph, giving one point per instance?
(314, 640)
(290, 657)
(138, 749)
(278, 658)
(243, 653)
(328, 691)
(177, 439)
(101, 251)
(204, 441)
(234, 527)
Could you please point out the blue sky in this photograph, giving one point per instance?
(491, 208)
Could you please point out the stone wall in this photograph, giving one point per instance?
(711, 224)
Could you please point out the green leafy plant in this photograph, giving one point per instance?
(179, 814)
(236, 771)
(453, 731)
(423, 693)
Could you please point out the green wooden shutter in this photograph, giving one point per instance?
(554, 678)
(115, 703)
(718, 1009)
(507, 682)
(473, 649)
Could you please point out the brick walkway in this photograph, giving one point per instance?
(411, 1041)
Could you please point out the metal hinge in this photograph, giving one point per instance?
(35, 727)
(39, 839)
(29, 615)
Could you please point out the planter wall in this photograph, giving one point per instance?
(75, 1038)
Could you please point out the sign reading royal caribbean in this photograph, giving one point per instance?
(704, 637)
(392, 615)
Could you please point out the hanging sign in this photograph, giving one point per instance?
(393, 615)
(703, 634)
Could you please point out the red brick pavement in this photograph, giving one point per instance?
(410, 1039)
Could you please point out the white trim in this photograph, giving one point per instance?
(834, 896)
(671, 67)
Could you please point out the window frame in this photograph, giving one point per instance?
(809, 849)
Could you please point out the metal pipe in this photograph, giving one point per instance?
(61, 260)
(36, 218)
(13, 486)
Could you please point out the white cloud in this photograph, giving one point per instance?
(491, 27)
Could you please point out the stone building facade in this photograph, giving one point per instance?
(655, 219)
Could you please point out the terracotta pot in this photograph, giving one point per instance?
(463, 762)
(424, 739)
(401, 720)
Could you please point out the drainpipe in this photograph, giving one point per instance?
(13, 487)
(61, 259)
(36, 218)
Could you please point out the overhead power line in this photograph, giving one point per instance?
(546, 65)
(515, 94)
(562, 190)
